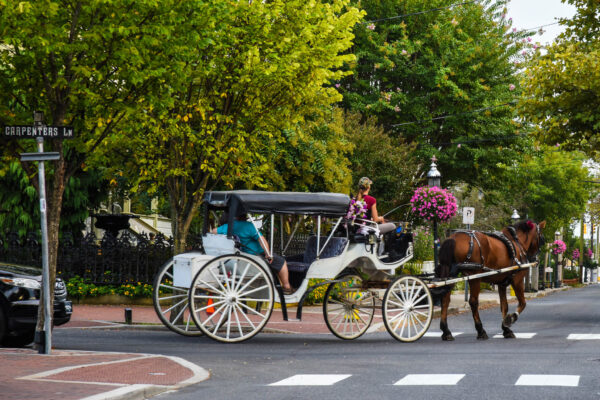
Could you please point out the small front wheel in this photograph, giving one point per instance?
(231, 298)
(407, 308)
(348, 308)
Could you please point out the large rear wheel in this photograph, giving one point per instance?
(231, 298)
(407, 309)
(348, 308)
(171, 303)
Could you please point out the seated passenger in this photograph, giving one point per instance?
(364, 185)
(254, 243)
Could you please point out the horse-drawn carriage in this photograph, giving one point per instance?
(229, 295)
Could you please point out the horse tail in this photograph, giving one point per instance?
(446, 258)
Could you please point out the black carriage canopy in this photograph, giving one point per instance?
(254, 201)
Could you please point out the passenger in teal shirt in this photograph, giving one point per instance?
(248, 234)
(254, 243)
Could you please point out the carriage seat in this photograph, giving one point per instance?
(215, 244)
(334, 248)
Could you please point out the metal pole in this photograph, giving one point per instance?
(436, 243)
(45, 265)
(467, 282)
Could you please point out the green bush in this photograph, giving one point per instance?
(78, 287)
(422, 244)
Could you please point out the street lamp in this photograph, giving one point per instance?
(515, 216)
(556, 237)
(434, 179)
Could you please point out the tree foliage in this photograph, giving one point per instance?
(234, 84)
(85, 64)
(549, 185)
(562, 87)
(443, 79)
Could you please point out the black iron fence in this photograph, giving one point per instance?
(109, 260)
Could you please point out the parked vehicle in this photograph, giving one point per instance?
(19, 298)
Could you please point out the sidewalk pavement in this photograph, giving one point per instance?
(67, 375)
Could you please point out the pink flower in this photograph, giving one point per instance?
(458, 145)
(337, 85)
(524, 52)
(535, 46)
(404, 52)
(511, 87)
(371, 27)
(514, 29)
(529, 39)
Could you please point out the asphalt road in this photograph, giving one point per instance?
(545, 365)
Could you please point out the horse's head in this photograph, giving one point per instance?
(534, 238)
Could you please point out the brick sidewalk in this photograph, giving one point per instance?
(66, 375)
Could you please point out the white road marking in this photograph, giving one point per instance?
(548, 380)
(429, 379)
(311, 380)
(439, 334)
(584, 336)
(519, 335)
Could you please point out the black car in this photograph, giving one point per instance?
(19, 299)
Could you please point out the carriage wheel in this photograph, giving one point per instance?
(231, 298)
(348, 308)
(171, 303)
(407, 308)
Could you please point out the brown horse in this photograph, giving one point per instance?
(477, 252)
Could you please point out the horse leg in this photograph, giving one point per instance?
(519, 288)
(506, 332)
(475, 287)
(446, 334)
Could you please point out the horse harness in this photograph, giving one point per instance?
(510, 247)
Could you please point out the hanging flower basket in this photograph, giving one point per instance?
(433, 204)
(558, 247)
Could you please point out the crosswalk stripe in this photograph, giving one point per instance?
(548, 380)
(311, 380)
(439, 334)
(429, 379)
(583, 336)
(519, 335)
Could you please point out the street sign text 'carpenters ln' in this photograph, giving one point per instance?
(47, 132)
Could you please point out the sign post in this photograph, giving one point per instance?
(468, 219)
(39, 131)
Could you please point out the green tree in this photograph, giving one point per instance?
(388, 161)
(561, 93)
(235, 83)
(444, 79)
(85, 64)
(550, 185)
(313, 157)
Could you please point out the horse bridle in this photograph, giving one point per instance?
(540, 240)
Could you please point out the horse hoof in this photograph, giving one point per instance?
(448, 337)
(509, 335)
(482, 336)
(507, 321)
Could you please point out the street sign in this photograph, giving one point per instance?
(468, 215)
(47, 156)
(47, 132)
